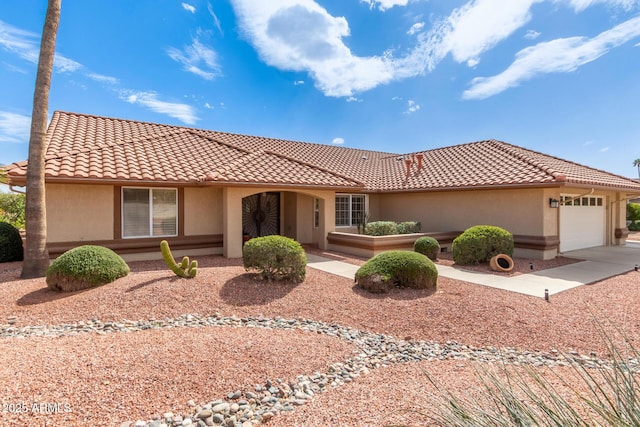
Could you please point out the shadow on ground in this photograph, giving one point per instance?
(402, 294)
(241, 290)
(44, 295)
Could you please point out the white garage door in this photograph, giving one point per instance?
(582, 222)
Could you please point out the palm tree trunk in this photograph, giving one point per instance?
(36, 259)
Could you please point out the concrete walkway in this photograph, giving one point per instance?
(597, 264)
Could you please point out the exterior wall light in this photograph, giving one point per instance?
(554, 203)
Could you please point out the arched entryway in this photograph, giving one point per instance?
(304, 215)
(261, 215)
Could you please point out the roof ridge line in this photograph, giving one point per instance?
(509, 148)
(219, 172)
(251, 154)
(348, 178)
(572, 162)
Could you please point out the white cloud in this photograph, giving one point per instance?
(188, 7)
(183, 112)
(353, 99)
(216, 21)
(580, 5)
(298, 82)
(556, 56)
(197, 59)
(531, 35)
(473, 62)
(208, 106)
(338, 141)
(300, 35)
(14, 128)
(603, 150)
(102, 78)
(412, 107)
(475, 28)
(415, 28)
(385, 4)
(26, 45)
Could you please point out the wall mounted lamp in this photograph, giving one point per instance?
(554, 203)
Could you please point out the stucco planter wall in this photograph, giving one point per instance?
(368, 246)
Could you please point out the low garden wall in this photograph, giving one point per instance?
(368, 246)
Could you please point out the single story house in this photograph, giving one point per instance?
(127, 185)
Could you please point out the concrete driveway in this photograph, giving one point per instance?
(597, 264)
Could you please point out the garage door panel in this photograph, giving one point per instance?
(581, 227)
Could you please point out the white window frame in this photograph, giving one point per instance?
(351, 196)
(150, 234)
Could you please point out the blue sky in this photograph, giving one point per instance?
(557, 76)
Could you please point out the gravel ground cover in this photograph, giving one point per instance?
(108, 379)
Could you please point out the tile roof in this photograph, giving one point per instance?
(87, 147)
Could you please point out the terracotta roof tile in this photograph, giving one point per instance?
(89, 147)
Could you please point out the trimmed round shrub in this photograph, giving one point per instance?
(480, 243)
(427, 246)
(381, 228)
(10, 243)
(403, 269)
(275, 258)
(85, 267)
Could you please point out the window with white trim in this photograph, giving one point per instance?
(570, 200)
(349, 208)
(316, 213)
(149, 212)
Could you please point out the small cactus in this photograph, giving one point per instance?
(184, 269)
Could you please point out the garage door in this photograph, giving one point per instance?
(582, 222)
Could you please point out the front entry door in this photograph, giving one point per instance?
(261, 215)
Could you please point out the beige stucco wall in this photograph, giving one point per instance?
(521, 211)
(79, 212)
(202, 211)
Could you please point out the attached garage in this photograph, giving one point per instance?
(582, 222)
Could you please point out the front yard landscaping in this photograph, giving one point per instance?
(152, 346)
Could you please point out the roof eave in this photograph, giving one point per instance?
(21, 181)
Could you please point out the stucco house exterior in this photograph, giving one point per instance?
(127, 185)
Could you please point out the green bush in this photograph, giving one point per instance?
(633, 212)
(481, 243)
(275, 258)
(409, 227)
(381, 228)
(10, 243)
(12, 209)
(85, 267)
(427, 246)
(397, 268)
(634, 227)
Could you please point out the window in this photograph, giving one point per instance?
(570, 200)
(316, 213)
(149, 212)
(349, 208)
